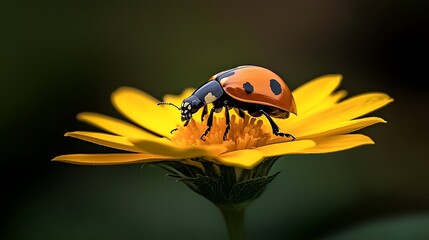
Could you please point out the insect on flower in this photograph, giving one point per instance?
(230, 172)
(254, 89)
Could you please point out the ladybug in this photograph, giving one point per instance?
(254, 89)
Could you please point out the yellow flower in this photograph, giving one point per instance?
(323, 125)
(231, 173)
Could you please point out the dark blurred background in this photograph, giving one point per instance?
(60, 58)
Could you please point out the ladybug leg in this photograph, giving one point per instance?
(204, 113)
(209, 123)
(240, 113)
(227, 121)
(186, 124)
(276, 129)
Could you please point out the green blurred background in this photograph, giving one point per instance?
(60, 58)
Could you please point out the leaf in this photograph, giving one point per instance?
(249, 189)
(210, 187)
(180, 169)
(228, 178)
(210, 169)
(245, 174)
(264, 167)
(219, 183)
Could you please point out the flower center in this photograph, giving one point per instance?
(244, 133)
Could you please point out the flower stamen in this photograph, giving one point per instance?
(245, 133)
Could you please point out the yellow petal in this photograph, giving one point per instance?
(349, 109)
(114, 125)
(104, 139)
(338, 143)
(359, 105)
(339, 128)
(110, 158)
(166, 148)
(246, 158)
(290, 124)
(285, 148)
(315, 91)
(329, 101)
(142, 108)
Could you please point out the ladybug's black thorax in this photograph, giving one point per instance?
(209, 92)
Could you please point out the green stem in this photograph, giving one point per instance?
(234, 220)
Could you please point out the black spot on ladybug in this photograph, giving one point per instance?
(248, 87)
(275, 87)
(225, 74)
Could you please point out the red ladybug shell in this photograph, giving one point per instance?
(258, 85)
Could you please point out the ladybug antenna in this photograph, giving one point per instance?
(167, 103)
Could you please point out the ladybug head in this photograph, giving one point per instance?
(207, 93)
(190, 106)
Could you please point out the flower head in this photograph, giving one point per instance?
(324, 124)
